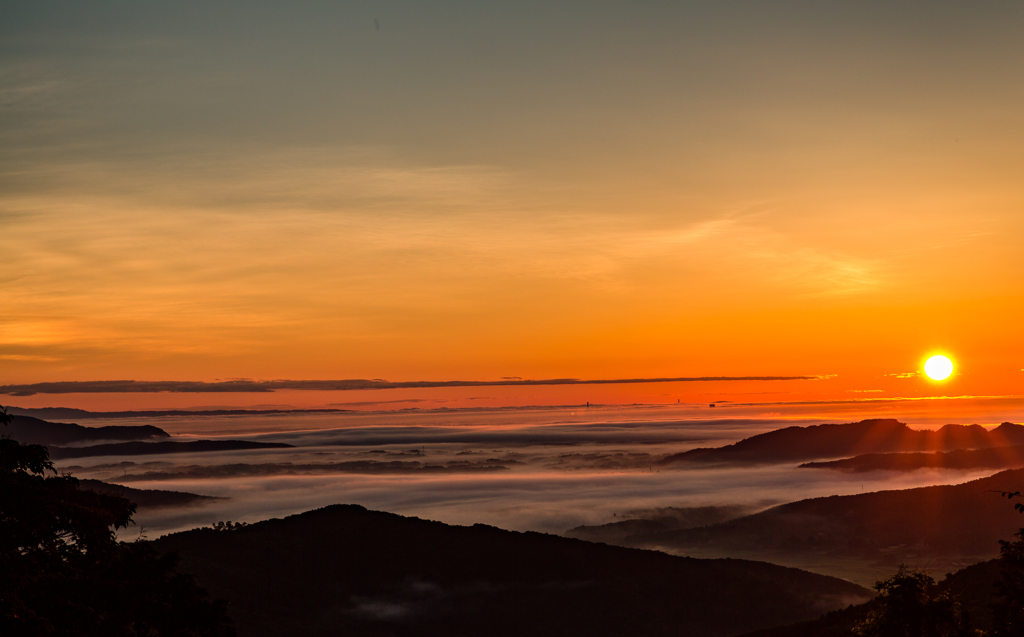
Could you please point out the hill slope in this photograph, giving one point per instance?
(950, 520)
(346, 570)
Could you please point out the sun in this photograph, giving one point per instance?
(938, 367)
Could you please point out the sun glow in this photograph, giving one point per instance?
(938, 367)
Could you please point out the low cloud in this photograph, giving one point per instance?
(524, 499)
(524, 471)
(605, 461)
(203, 472)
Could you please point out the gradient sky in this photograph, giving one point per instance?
(438, 190)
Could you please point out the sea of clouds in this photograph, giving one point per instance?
(531, 469)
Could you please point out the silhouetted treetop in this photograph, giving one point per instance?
(63, 571)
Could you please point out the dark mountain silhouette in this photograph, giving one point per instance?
(989, 458)
(975, 587)
(29, 430)
(797, 444)
(67, 413)
(148, 448)
(913, 524)
(345, 570)
(32, 431)
(146, 498)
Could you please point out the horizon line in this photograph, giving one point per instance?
(270, 386)
(722, 404)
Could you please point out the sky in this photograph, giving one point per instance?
(460, 190)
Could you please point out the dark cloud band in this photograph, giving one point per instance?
(261, 386)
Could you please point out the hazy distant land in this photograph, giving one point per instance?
(140, 440)
(940, 525)
(794, 444)
(151, 448)
(148, 498)
(67, 413)
(644, 523)
(33, 431)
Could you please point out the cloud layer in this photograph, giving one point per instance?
(545, 470)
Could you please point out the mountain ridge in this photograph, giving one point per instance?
(34, 431)
(344, 569)
(952, 522)
(799, 444)
(146, 498)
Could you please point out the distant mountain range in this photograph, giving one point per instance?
(149, 448)
(68, 413)
(798, 444)
(964, 520)
(345, 570)
(33, 431)
(147, 498)
(657, 521)
(141, 440)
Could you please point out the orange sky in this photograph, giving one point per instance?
(540, 190)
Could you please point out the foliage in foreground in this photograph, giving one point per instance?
(908, 607)
(63, 572)
(1008, 611)
(911, 605)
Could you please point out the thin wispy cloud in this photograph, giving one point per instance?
(253, 386)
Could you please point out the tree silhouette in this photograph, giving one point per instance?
(63, 571)
(909, 606)
(1008, 610)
